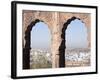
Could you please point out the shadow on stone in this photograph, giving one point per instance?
(26, 49)
(62, 46)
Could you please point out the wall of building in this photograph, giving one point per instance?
(55, 22)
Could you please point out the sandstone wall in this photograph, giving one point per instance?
(55, 22)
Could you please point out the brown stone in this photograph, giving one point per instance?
(55, 22)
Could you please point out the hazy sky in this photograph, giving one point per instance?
(76, 36)
(40, 36)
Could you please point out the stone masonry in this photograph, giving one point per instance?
(57, 23)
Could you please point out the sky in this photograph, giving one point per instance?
(76, 36)
(40, 36)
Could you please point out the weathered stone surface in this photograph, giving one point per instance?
(55, 22)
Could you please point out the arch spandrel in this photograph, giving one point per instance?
(29, 16)
(46, 17)
(85, 17)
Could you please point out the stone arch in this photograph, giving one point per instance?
(84, 17)
(27, 47)
(55, 22)
(62, 46)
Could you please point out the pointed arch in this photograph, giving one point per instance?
(62, 46)
(27, 47)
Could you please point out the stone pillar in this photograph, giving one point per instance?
(55, 40)
(88, 25)
(87, 22)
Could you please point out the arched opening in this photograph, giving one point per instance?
(62, 46)
(37, 41)
(76, 53)
(40, 56)
(74, 43)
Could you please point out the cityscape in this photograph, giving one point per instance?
(73, 58)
